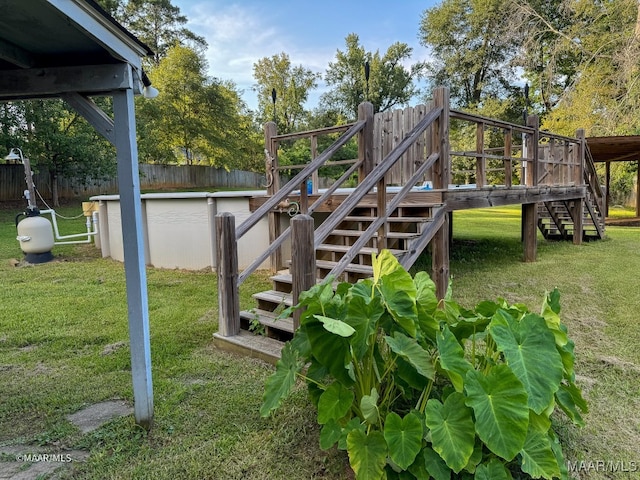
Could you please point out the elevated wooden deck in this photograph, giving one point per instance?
(335, 231)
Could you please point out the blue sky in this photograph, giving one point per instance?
(310, 32)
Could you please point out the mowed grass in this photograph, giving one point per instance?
(64, 345)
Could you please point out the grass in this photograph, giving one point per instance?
(63, 345)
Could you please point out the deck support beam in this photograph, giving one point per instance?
(530, 231)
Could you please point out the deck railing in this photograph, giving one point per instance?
(398, 149)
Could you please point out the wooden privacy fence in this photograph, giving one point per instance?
(152, 177)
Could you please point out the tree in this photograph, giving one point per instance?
(473, 45)
(200, 119)
(291, 86)
(582, 58)
(390, 83)
(59, 139)
(160, 25)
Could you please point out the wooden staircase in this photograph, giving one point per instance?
(555, 219)
(408, 229)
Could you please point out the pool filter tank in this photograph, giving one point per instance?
(35, 236)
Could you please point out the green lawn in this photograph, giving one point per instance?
(63, 345)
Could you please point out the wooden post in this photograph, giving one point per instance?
(481, 167)
(227, 263)
(441, 172)
(637, 191)
(315, 176)
(442, 168)
(273, 185)
(607, 181)
(577, 214)
(578, 179)
(508, 164)
(532, 151)
(381, 200)
(440, 258)
(365, 140)
(134, 256)
(530, 231)
(303, 259)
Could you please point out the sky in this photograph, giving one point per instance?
(242, 32)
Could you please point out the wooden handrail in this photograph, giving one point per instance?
(370, 181)
(284, 235)
(295, 182)
(311, 133)
(381, 219)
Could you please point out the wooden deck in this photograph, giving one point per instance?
(334, 231)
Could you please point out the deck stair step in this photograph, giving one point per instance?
(268, 319)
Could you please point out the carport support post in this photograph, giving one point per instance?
(134, 261)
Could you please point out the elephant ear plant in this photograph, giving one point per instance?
(413, 387)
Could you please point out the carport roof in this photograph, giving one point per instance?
(49, 47)
(614, 149)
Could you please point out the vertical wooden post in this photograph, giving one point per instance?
(481, 167)
(637, 192)
(508, 164)
(315, 176)
(365, 140)
(578, 179)
(441, 171)
(381, 201)
(303, 259)
(273, 185)
(530, 231)
(533, 173)
(134, 255)
(607, 181)
(227, 263)
(442, 168)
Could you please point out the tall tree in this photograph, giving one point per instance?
(291, 85)
(583, 57)
(195, 118)
(160, 25)
(390, 84)
(473, 44)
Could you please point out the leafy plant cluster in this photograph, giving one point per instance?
(413, 387)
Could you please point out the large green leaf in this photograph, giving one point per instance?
(530, 350)
(334, 403)
(280, 383)
(412, 352)
(492, 470)
(337, 327)
(570, 400)
(363, 313)
(499, 402)
(369, 407)
(353, 424)
(452, 358)
(425, 292)
(435, 465)
(331, 351)
(452, 430)
(397, 289)
(367, 454)
(404, 437)
(330, 434)
(537, 457)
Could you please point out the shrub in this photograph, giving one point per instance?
(413, 387)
